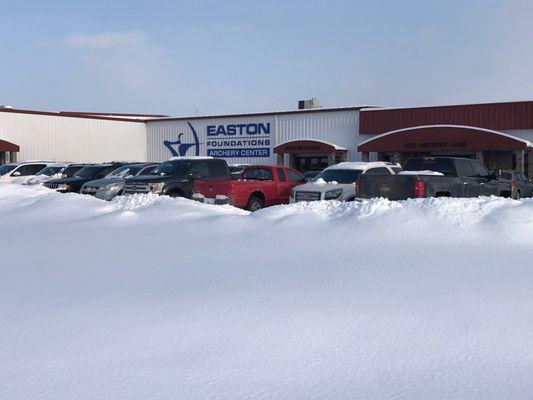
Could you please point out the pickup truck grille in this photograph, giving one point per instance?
(133, 188)
(50, 185)
(307, 196)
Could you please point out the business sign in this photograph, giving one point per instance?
(223, 141)
(238, 140)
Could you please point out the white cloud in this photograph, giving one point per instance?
(107, 40)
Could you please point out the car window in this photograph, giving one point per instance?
(465, 168)
(344, 176)
(479, 169)
(49, 171)
(507, 176)
(443, 165)
(260, 174)
(4, 169)
(125, 171)
(147, 170)
(377, 171)
(200, 168)
(218, 169)
(281, 175)
(396, 170)
(295, 176)
(173, 168)
(30, 169)
(69, 171)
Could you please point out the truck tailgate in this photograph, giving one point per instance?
(392, 187)
(212, 188)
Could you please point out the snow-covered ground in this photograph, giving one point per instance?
(158, 298)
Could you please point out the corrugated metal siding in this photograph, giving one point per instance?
(497, 116)
(73, 139)
(339, 127)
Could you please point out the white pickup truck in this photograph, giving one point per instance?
(338, 181)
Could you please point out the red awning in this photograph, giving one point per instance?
(449, 138)
(307, 146)
(8, 146)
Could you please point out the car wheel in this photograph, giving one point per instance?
(255, 204)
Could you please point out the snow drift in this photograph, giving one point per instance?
(153, 297)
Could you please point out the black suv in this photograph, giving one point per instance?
(84, 175)
(176, 177)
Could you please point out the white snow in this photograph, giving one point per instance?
(360, 165)
(148, 297)
(423, 172)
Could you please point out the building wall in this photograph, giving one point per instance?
(338, 127)
(59, 138)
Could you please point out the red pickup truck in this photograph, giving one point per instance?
(260, 186)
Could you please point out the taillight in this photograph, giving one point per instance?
(513, 184)
(420, 189)
(356, 187)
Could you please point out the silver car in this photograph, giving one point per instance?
(113, 184)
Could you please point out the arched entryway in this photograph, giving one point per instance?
(8, 151)
(496, 149)
(309, 155)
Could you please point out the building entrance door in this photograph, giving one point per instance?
(310, 163)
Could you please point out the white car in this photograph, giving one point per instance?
(338, 181)
(13, 171)
(52, 171)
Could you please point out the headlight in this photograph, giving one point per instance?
(157, 187)
(112, 187)
(332, 194)
(64, 187)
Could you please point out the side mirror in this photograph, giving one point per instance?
(16, 173)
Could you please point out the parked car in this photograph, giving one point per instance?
(13, 171)
(434, 177)
(338, 181)
(85, 174)
(310, 175)
(176, 176)
(236, 170)
(520, 185)
(260, 186)
(113, 183)
(53, 171)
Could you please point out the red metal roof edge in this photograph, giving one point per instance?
(57, 114)
(447, 105)
(117, 114)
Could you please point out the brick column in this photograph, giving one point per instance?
(480, 156)
(280, 159)
(365, 156)
(530, 163)
(396, 158)
(12, 156)
(519, 154)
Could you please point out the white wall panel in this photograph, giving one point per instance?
(338, 127)
(73, 139)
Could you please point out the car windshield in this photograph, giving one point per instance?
(89, 172)
(126, 171)
(70, 171)
(4, 169)
(338, 175)
(507, 175)
(49, 171)
(172, 168)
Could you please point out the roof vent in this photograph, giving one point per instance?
(307, 104)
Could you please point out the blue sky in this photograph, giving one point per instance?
(209, 57)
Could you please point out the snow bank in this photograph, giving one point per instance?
(152, 297)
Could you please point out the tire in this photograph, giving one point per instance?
(176, 194)
(255, 204)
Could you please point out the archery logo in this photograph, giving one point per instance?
(179, 149)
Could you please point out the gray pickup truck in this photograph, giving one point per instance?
(434, 177)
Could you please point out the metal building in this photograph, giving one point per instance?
(305, 139)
